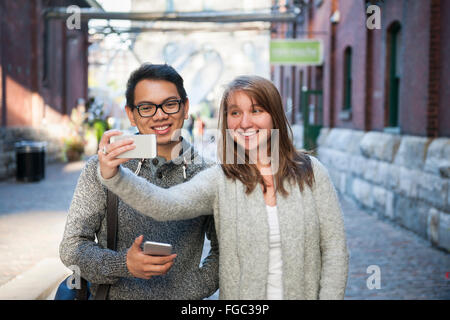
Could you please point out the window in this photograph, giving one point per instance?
(347, 103)
(393, 74)
(46, 53)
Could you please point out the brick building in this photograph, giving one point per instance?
(43, 75)
(419, 74)
(384, 113)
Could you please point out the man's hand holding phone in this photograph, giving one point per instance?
(145, 266)
(116, 148)
(107, 153)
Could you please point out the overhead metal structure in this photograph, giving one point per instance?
(290, 15)
(209, 21)
(108, 29)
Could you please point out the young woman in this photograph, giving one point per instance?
(277, 215)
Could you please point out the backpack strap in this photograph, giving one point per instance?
(83, 292)
(112, 220)
(112, 203)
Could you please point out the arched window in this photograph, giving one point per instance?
(393, 46)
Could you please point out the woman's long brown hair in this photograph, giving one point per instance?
(294, 165)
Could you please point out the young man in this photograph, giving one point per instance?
(156, 104)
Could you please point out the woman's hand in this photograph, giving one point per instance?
(107, 153)
(145, 266)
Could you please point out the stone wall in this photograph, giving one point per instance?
(9, 136)
(398, 177)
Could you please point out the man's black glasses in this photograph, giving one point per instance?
(147, 109)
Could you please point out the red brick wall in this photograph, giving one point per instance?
(434, 68)
(320, 28)
(350, 32)
(414, 87)
(1, 69)
(16, 46)
(375, 79)
(26, 97)
(444, 89)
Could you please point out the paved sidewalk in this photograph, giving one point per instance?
(32, 218)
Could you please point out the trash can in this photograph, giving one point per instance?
(30, 160)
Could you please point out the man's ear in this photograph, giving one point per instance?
(130, 115)
(186, 109)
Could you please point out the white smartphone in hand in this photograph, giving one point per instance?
(157, 248)
(145, 145)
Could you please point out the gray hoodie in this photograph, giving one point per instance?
(86, 223)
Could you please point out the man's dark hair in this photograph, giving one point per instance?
(154, 72)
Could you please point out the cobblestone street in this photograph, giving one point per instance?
(32, 218)
(409, 267)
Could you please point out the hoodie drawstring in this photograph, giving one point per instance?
(138, 169)
(184, 168)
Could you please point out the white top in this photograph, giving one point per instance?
(274, 278)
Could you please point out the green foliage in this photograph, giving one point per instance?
(100, 126)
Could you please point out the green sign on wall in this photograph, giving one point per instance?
(296, 52)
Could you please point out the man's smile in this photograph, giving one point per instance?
(161, 129)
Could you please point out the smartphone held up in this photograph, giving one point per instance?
(145, 146)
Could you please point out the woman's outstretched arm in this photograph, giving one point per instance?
(184, 201)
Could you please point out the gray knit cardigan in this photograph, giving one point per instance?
(86, 222)
(313, 241)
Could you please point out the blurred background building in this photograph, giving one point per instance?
(43, 76)
(377, 108)
(374, 108)
(66, 86)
